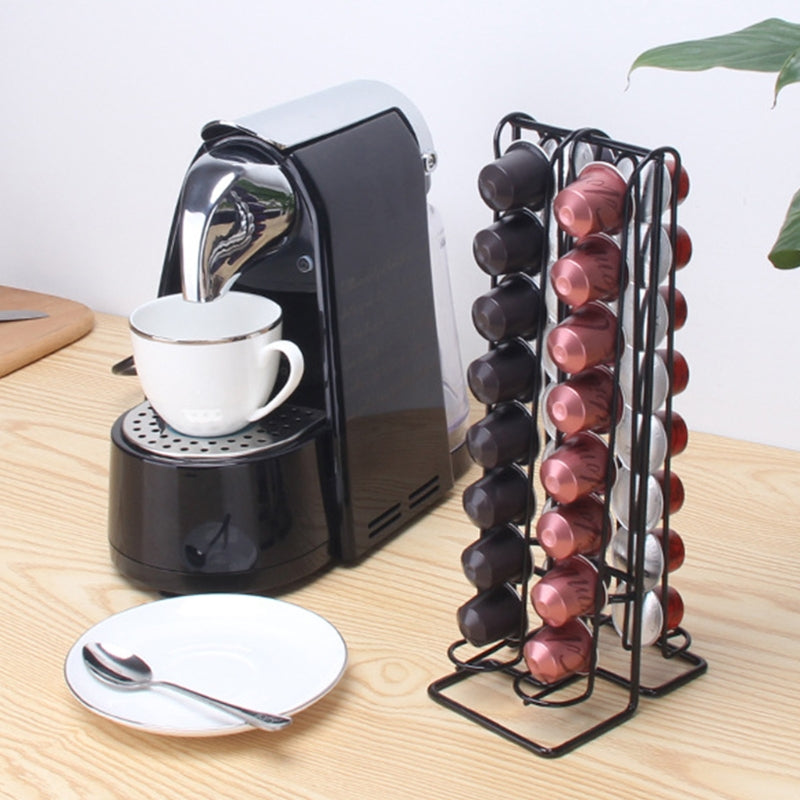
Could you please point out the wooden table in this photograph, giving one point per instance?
(732, 733)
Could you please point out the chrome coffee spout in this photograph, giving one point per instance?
(230, 209)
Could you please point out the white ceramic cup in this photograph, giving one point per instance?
(208, 368)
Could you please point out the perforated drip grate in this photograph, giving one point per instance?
(144, 429)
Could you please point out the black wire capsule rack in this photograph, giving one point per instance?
(492, 685)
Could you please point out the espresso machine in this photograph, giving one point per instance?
(319, 204)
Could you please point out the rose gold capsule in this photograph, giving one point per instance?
(584, 339)
(590, 271)
(552, 654)
(572, 528)
(570, 589)
(583, 402)
(594, 203)
(579, 466)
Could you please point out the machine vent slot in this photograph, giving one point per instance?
(383, 521)
(422, 493)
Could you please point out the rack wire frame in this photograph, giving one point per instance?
(649, 201)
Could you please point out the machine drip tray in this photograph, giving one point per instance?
(144, 429)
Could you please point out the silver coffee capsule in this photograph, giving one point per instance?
(621, 499)
(652, 619)
(653, 566)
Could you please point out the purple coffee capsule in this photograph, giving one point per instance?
(514, 243)
(522, 176)
(503, 436)
(502, 495)
(500, 555)
(491, 615)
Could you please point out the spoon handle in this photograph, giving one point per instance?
(258, 719)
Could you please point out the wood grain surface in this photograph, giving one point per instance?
(24, 341)
(731, 733)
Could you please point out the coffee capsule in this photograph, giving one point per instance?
(583, 402)
(674, 606)
(491, 615)
(626, 503)
(590, 271)
(522, 176)
(652, 621)
(675, 549)
(500, 555)
(680, 185)
(569, 529)
(503, 436)
(630, 441)
(678, 431)
(623, 543)
(672, 488)
(683, 247)
(570, 589)
(587, 337)
(680, 369)
(513, 243)
(649, 253)
(553, 654)
(577, 467)
(594, 203)
(506, 372)
(502, 495)
(681, 309)
(512, 308)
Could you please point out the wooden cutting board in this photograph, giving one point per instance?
(24, 341)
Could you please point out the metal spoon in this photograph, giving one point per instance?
(128, 671)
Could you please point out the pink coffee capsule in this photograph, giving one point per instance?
(675, 607)
(572, 528)
(569, 589)
(593, 203)
(583, 402)
(676, 551)
(578, 467)
(590, 271)
(552, 654)
(584, 339)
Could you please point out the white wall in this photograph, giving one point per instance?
(102, 104)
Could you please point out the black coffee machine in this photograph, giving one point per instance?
(320, 205)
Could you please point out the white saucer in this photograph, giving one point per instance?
(253, 651)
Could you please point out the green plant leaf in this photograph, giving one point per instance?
(785, 253)
(763, 47)
(790, 73)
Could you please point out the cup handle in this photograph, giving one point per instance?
(296, 369)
